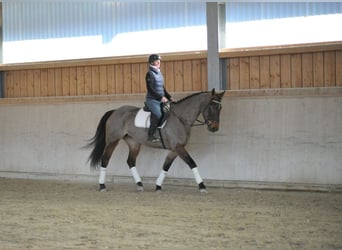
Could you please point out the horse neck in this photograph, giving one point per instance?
(189, 109)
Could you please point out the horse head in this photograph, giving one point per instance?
(211, 113)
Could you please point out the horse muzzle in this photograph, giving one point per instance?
(213, 126)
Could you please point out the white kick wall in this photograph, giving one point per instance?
(282, 140)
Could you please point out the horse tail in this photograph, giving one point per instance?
(99, 141)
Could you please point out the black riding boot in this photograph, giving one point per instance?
(152, 130)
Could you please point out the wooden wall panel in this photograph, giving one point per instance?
(204, 74)
(169, 76)
(9, 88)
(95, 80)
(23, 83)
(307, 70)
(196, 75)
(234, 73)
(58, 82)
(73, 81)
(30, 83)
(318, 76)
(103, 80)
(244, 73)
(285, 71)
(265, 73)
(65, 81)
(179, 80)
(51, 84)
(44, 82)
(245, 70)
(87, 80)
(143, 70)
(119, 79)
(254, 75)
(16, 84)
(80, 88)
(329, 69)
(187, 75)
(296, 71)
(36, 82)
(127, 72)
(135, 78)
(275, 71)
(339, 68)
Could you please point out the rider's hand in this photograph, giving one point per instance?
(164, 99)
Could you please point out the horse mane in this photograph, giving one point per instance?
(189, 96)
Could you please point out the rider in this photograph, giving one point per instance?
(156, 94)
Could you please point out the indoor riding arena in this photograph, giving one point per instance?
(272, 170)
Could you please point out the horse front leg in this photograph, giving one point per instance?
(184, 155)
(167, 164)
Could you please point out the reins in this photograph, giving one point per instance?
(200, 123)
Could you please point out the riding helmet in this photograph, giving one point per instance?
(153, 57)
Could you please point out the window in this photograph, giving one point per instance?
(279, 23)
(40, 30)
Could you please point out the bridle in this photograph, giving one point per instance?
(206, 122)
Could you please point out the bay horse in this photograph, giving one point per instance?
(119, 124)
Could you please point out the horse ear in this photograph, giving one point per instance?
(213, 91)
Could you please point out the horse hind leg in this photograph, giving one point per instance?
(134, 149)
(108, 151)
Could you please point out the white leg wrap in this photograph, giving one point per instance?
(161, 178)
(102, 177)
(135, 174)
(197, 175)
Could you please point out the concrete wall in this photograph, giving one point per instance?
(282, 139)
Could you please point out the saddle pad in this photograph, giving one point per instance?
(142, 119)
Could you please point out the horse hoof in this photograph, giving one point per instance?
(102, 188)
(140, 187)
(203, 191)
(158, 189)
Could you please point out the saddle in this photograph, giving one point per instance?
(142, 118)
